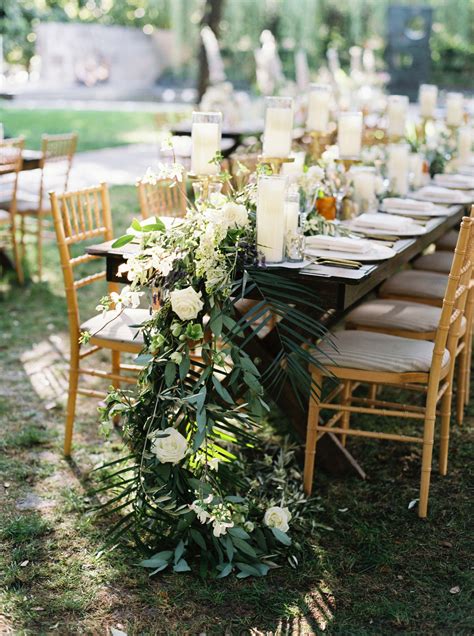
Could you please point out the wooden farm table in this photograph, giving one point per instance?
(336, 290)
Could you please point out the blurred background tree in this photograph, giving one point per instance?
(311, 24)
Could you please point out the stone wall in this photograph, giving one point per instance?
(75, 54)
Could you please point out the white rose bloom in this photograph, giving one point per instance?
(170, 449)
(217, 199)
(186, 303)
(201, 514)
(277, 517)
(315, 173)
(235, 214)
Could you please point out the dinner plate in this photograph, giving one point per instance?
(375, 253)
(452, 185)
(418, 230)
(438, 210)
(464, 200)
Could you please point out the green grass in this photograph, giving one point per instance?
(96, 129)
(372, 568)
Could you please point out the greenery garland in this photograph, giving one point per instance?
(183, 491)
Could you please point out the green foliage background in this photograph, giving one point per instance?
(312, 24)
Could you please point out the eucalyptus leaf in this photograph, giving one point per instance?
(123, 240)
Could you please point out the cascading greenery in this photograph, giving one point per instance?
(183, 489)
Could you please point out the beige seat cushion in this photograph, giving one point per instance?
(372, 351)
(436, 262)
(415, 284)
(118, 329)
(4, 216)
(448, 241)
(28, 203)
(395, 314)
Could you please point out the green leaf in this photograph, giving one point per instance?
(157, 559)
(123, 240)
(244, 547)
(159, 569)
(225, 570)
(252, 382)
(248, 569)
(158, 226)
(222, 391)
(184, 367)
(179, 551)
(280, 536)
(170, 373)
(182, 566)
(247, 364)
(216, 324)
(238, 532)
(198, 538)
(229, 547)
(136, 225)
(143, 358)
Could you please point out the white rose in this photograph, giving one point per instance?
(276, 517)
(235, 214)
(170, 449)
(186, 303)
(315, 173)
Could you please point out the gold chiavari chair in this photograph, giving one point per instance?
(57, 153)
(374, 358)
(10, 166)
(160, 199)
(78, 217)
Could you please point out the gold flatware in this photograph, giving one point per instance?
(334, 262)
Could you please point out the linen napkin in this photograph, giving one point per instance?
(454, 181)
(390, 222)
(394, 203)
(338, 243)
(441, 194)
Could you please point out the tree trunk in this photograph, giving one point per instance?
(212, 18)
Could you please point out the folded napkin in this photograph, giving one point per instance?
(454, 181)
(394, 203)
(388, 222)
(444, 195)
(338, 243)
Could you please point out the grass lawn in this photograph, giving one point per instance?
(373, 567)
(96, 129)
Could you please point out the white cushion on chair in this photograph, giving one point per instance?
(27, 203)
(448, 241)
(372, 351)
(117, 329)
(436, 262)
(4, 216)
(416, 284)
(395, 314)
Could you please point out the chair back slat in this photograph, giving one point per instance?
(57, 154)
(455, 297)
(71, 229)
(11, 163)
(160, 199)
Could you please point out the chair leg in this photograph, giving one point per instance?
(22, 237)
(72, 396)
(468, 368)
(445, 424)
(346, 400)
(311, 436)
(17, 257)
(39, 242)
(427, 456)
(116, 367)
(373, 391)
(462, 374)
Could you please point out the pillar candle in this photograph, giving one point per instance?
(465, 139)
(363, 180)
(206, 141)
(397, 110)
(292, 211)
(454, 109)
(349, 135)
(397, 167)
(319, 97)
(294, 169)
(415, 163)
(427, 99)
(277, 136)
(271, 193)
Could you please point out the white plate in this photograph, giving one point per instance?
(451, 185)
(439, 210)
(462, 201)
(376, 253)
(418, 230)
